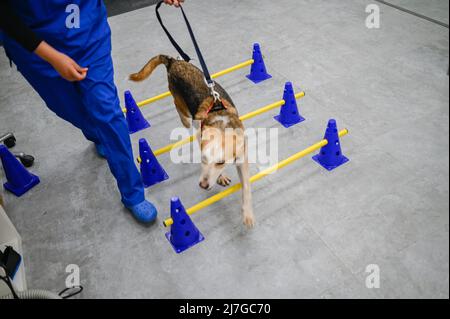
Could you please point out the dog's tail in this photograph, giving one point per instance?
(150, 66)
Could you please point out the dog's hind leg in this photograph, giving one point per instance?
(186, 121)
(182, 110)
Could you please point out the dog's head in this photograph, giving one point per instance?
(222, 143)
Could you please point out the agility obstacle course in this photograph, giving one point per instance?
(183, 233)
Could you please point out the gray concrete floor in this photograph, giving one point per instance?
(434, 9)
(317, 231)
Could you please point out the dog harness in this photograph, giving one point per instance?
(216, 107)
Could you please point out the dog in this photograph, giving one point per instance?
(220, 133)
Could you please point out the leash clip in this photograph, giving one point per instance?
(214, 93)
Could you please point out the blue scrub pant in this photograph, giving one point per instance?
(93, 106)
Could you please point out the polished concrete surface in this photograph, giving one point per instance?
(316, 231)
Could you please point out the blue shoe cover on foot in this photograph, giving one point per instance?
(144, 212)
(100, 150)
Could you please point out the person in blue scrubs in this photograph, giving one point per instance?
(63, 49)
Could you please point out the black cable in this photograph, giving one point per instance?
(10, 286)
(6, 279)
(63, 296)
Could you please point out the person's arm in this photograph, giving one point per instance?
(62, 63)
(14, 27)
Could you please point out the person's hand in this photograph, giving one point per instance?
(175, 3)
(63, 64)
(68, 68)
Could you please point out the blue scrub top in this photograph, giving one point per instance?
(47, 18)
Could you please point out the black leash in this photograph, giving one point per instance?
(208, 79)
(171, 39)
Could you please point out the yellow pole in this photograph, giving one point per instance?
(233, 68)
(170, 147)
(269, 107)
(233, 189)
(215, 75)
(247, 116)
(154, 99)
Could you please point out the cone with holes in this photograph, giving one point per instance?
(258, 71)
(19, 180)
(151, 171)
(135, 119)
(183, 233)
(289, 114)
(330, 156)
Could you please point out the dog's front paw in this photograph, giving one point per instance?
(223, 180)
(249, 220)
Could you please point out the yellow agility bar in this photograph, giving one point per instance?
(247, 116)
(215, 75)
(233, 189)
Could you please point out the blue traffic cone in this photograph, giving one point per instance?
(289, 114)
(258, 71)
(151, 171)
(183, 233)
(19, 180)
(135, 119)
(330, 156)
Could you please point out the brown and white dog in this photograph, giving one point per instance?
(221, 132)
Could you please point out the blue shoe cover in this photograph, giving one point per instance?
(100, 150)
(144, 212)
